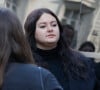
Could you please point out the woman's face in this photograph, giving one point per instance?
(47, 32)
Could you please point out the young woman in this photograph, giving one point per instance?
(17, 68)
(44, 33)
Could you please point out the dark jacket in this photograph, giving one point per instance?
(97, 70)
(29, 77)
(54, 64)
(82, 84)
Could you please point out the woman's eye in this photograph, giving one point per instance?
(42, 26)
(54, 25)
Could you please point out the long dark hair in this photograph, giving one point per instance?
(70, 61)
(12, 41)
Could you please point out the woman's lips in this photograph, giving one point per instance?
(51, 35)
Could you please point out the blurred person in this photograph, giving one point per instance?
(87, 46)
(44, 33)
(17, 68)
(68, 34)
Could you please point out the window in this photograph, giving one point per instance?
(70, 17)
(12, 4)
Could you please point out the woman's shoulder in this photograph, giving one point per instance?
(84, 60)
(80, 56)
(33, 75)
(27, 68)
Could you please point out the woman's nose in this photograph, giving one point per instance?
(49, 29)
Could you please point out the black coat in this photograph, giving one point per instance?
(54, 64)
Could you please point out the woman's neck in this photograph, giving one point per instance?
(47, 47)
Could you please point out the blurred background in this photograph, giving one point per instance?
(83, 15)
